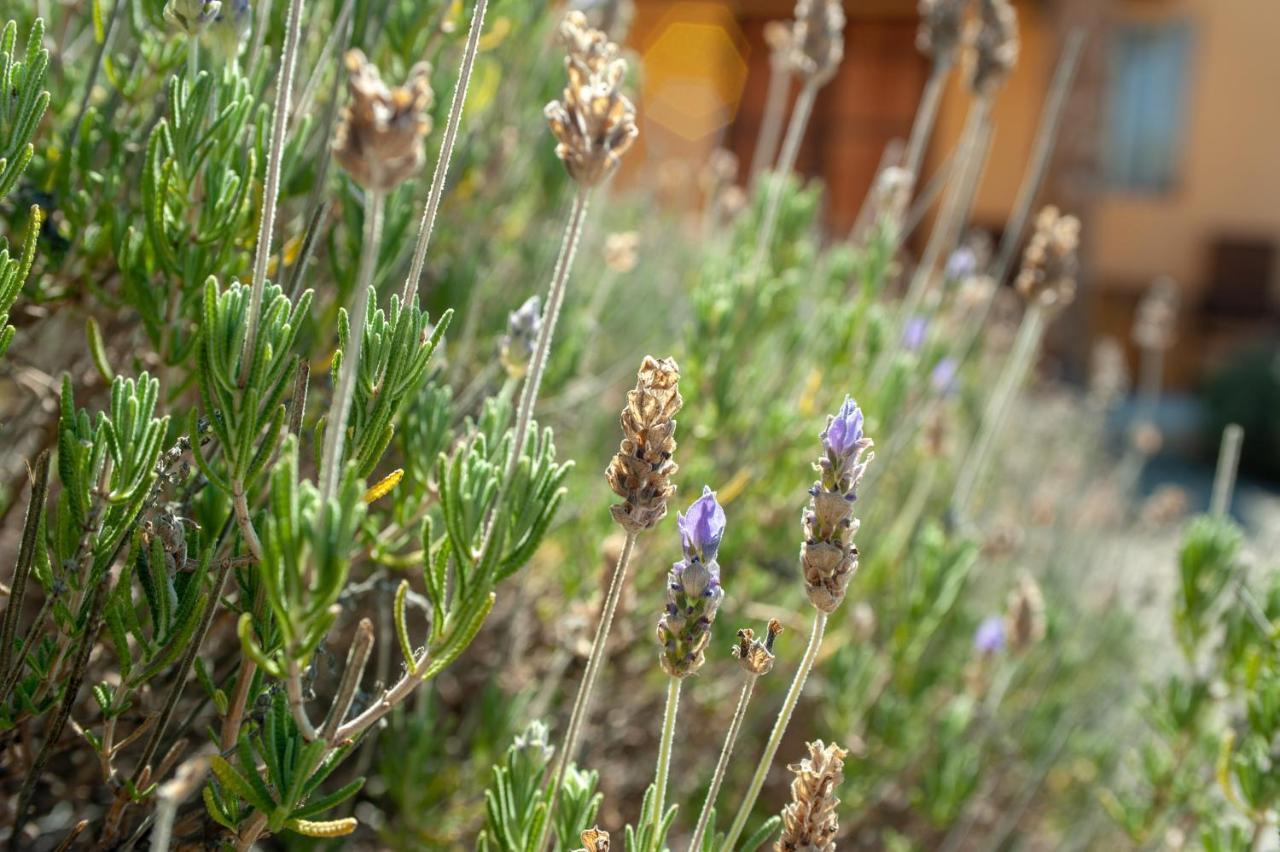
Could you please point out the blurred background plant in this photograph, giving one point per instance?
(215, 633)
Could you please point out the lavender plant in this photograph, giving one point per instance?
(278, 517)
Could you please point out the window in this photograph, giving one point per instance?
(1147, 105)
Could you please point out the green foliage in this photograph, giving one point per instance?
(22, 80)
(306, 558)
(398, 345)
(515, 802)
(288, 792)
(247, 415)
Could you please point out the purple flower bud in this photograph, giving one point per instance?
(914, 333)
(963, 263)
(989, 637)
(843, 434)
(943, 377)
(702, 528)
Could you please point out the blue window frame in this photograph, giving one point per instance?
(1147, 106)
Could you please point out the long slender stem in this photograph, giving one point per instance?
(926, 115)
(779, 728)
(541, 354)
(54, 732)
(950, 222)
(1020, 360)
(26, 559)
(335, 427)
(663, 771)
(1224, 479)
(722, 765)
(775, 107)
(582, 704)
(298, 702)
(271, 186)
(427, 225)
(357, 659)
(786, 162)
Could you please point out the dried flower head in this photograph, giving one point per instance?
(817, 39)
(595, 840)
(755, 655)
(1157, 316)
(515, 350)
(828, 556)
(778, 38)
(614, 17)
(594, 124)
(380, 132)
(1024, 620)
(995, 47)
(693, 588)
(585, 43)
(1108, 373)
(809, 822)
(641, 471)
(941, 28)
(621, 251)
(1048, 274)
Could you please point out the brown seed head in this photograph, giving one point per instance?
(595, 840)
(593, 123)
(380, 132)
(1048, 274)
(754, 655)
(817, 39)
(584, 43)
(995, 47)
(1024, 620)
(941, 28)
(641, 471)
(809, 822)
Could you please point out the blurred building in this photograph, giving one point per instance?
(1168, 151)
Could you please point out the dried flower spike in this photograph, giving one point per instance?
(1024, 621)
(1156, 320)
(581, 41)
(693, 588)
(754, 655)
(1048, 274)
(817, 39)
(941, 28)
(809, 822)
(515, 350)
(594, 840)
(828, 557)
(380, 132)
(995, 47)
(641, 471)
(594, 124)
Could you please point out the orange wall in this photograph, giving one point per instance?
(1231, 156)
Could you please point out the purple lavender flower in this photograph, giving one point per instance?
(943, 377)
(693, 588)
(988, 639)
(844, 430)
(914, 333)
(962, 264)
(702, 528)
(517, 345)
